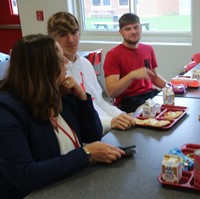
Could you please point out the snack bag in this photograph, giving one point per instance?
(187, 81)
(179, 89)
(187, 163)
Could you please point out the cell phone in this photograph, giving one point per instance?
(147, 63)
(129, 150)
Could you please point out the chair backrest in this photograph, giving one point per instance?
(196, 57)
(195, 60)
(95, 59)
(189, 66)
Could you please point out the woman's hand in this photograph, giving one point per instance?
(102, 152)
(74, 88)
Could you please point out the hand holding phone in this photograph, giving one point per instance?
(129, 150)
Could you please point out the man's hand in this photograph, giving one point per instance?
(142, 73)
(122, 122)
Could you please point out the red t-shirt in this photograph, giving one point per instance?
(122, 60)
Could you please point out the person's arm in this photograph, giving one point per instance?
(72, 87)
(81, 103)
(158, 80)
(106, 124)
(92, 86)
(89, 122)
(122, 121)
(111, 117)
(37, 162)
(116, 86)
(29, 152)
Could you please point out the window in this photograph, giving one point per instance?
(106, 2)
(13, 7)
(100, 2)
(162, 21)
(123, 2)
(96, 2)
(155, 15)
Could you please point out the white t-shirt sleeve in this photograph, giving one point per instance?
(92, 86)
(106, 123)
(89, 80)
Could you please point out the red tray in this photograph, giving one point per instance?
(164, 109)
(187, 179)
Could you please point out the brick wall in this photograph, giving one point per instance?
(151, 8)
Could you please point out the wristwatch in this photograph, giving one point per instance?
(89, 155)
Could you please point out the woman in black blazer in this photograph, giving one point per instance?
(48, 126)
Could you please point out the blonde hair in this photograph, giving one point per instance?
(62, 23)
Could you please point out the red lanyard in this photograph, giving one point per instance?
(75, 140)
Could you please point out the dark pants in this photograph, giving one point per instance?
(131, 103)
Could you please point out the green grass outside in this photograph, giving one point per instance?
(170, 22)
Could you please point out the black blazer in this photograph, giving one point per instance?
(29, 152)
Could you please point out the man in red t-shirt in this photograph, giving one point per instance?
(130, 67)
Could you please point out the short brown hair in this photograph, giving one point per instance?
(62, 23)
(128, 18)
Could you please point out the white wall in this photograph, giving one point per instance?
(27, 11)
(171, 57)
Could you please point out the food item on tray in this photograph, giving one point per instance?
(151, 122)
(197, 168)
(187, 163)
(168, 94)
(171, 168)
(172, 114)
(189, 82)
(179, 89)
(158, 108)
(196, 74)
(149, 109)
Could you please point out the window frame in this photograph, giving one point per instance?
(162, 37)
(13, 7)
